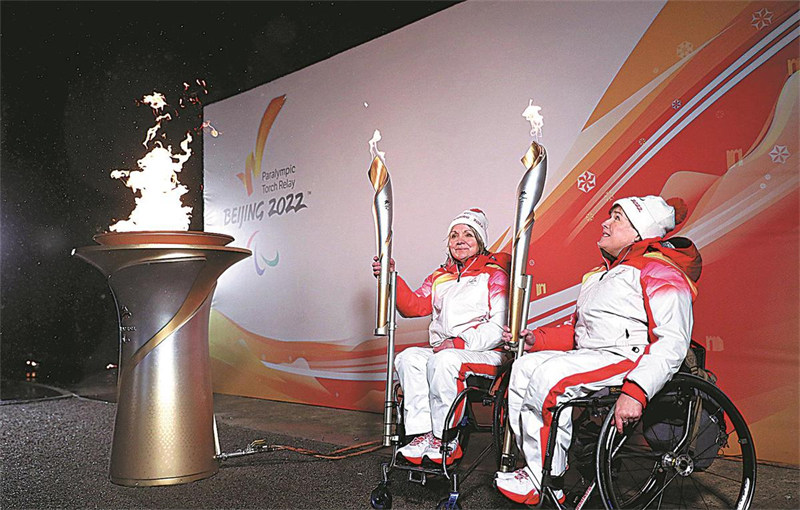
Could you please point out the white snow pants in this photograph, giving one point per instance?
(431, 383)
(541, 380)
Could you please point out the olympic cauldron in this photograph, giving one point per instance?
(162, 283)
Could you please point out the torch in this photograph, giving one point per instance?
(382, 214)
(386, 309)
(529, 191)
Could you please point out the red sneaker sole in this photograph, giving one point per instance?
(531, 498)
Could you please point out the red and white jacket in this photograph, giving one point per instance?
(467, 303)
(639, 306)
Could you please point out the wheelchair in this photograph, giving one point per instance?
(690, 449)
(479, 391)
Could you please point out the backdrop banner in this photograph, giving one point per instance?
(691, 99)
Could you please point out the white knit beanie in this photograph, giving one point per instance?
(476, 219)
(651, 216)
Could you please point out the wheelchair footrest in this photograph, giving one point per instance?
(419, 477)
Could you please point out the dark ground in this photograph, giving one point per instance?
(55, 454)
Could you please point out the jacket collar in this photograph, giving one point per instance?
(680, 250)
(474, 263)
(631, 251)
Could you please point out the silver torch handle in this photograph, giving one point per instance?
(389, 404)
(529, 192)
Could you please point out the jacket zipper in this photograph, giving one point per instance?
(620, 258)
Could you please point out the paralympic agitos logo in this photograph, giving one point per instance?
(257, 256)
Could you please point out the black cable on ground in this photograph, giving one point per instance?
(261, 445)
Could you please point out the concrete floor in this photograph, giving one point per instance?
(335, 426)
(778, 486)
(55, 455)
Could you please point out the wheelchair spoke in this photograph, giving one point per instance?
(698, 491)
(691, 449)
(659, 494)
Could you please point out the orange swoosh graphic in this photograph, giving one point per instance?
(253, 162)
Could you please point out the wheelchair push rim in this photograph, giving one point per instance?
(660, 462)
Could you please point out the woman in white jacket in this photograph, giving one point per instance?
(467, 300)
(632, 327)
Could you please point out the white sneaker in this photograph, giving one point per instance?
(518, 486)
(415, 450)
(503, 474)
(434, 451)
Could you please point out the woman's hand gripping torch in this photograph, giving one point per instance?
(529, 192)
(386, 312)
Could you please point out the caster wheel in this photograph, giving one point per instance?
(380, 497)
(449, 503)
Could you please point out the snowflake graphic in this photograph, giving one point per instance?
(586, 181)
(779, 154)
(720, 114)
(761, 18)
(642, 140)
(684, 49)
(677, 104)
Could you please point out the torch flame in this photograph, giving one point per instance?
(207, 125)
(373, 147)
(159, 205)
(151, 133)
(533, 116)
(157, 101)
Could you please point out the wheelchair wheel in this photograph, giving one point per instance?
(691, 449)
(380, 498)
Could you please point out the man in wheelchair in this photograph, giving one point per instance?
(631, 327)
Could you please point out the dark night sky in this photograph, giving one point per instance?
(70, 75)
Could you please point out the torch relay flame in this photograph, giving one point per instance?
(159, 205)
(373, 147)
(156, 101)
(151, 133)
(207, 125)
(533, 116)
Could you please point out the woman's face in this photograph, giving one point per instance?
(462, 242)
(617, 232)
